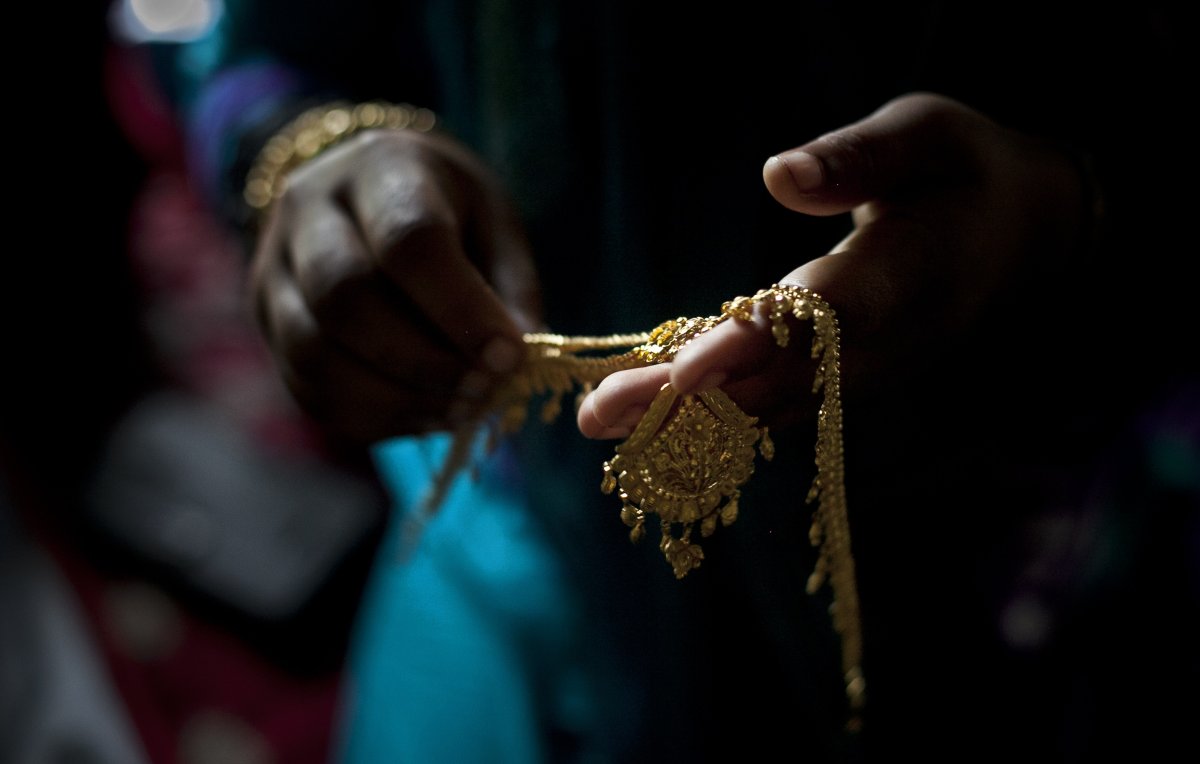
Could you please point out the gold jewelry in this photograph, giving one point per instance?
(317, 130)
(689, 456)
(685, 463)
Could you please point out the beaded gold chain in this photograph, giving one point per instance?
(689, 456)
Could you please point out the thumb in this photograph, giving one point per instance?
(907, 143)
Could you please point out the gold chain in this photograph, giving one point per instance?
(689, 456)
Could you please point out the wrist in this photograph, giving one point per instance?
(315, 131)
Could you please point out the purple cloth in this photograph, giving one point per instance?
(234, 101)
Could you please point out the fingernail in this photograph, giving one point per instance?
(473, 384)
(501, 355)
(804, 169)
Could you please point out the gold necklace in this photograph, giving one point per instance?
(689, 456)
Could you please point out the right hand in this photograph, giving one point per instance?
(953, 216)
(392, 283)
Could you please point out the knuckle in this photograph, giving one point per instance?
(852, 154)
(382, 147)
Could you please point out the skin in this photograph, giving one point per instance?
(950, 212)
(341, 279)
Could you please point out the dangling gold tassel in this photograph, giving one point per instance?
(685, 462)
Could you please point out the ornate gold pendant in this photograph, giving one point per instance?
(686, 462)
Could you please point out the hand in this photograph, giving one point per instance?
(392, 284)
(951, 213)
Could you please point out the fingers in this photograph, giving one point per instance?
(740, 357)
(881, 279)
(870, 294)
(767, 381)
(726, 352)
(413, 230)
(614, 408)
(340, 288)
(909, 141)
(332, 384)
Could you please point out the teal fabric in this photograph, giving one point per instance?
(464, 649)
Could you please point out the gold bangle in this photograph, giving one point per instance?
(317, 130)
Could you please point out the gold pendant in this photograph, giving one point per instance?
(686, 462)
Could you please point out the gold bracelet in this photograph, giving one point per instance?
(317, 130)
